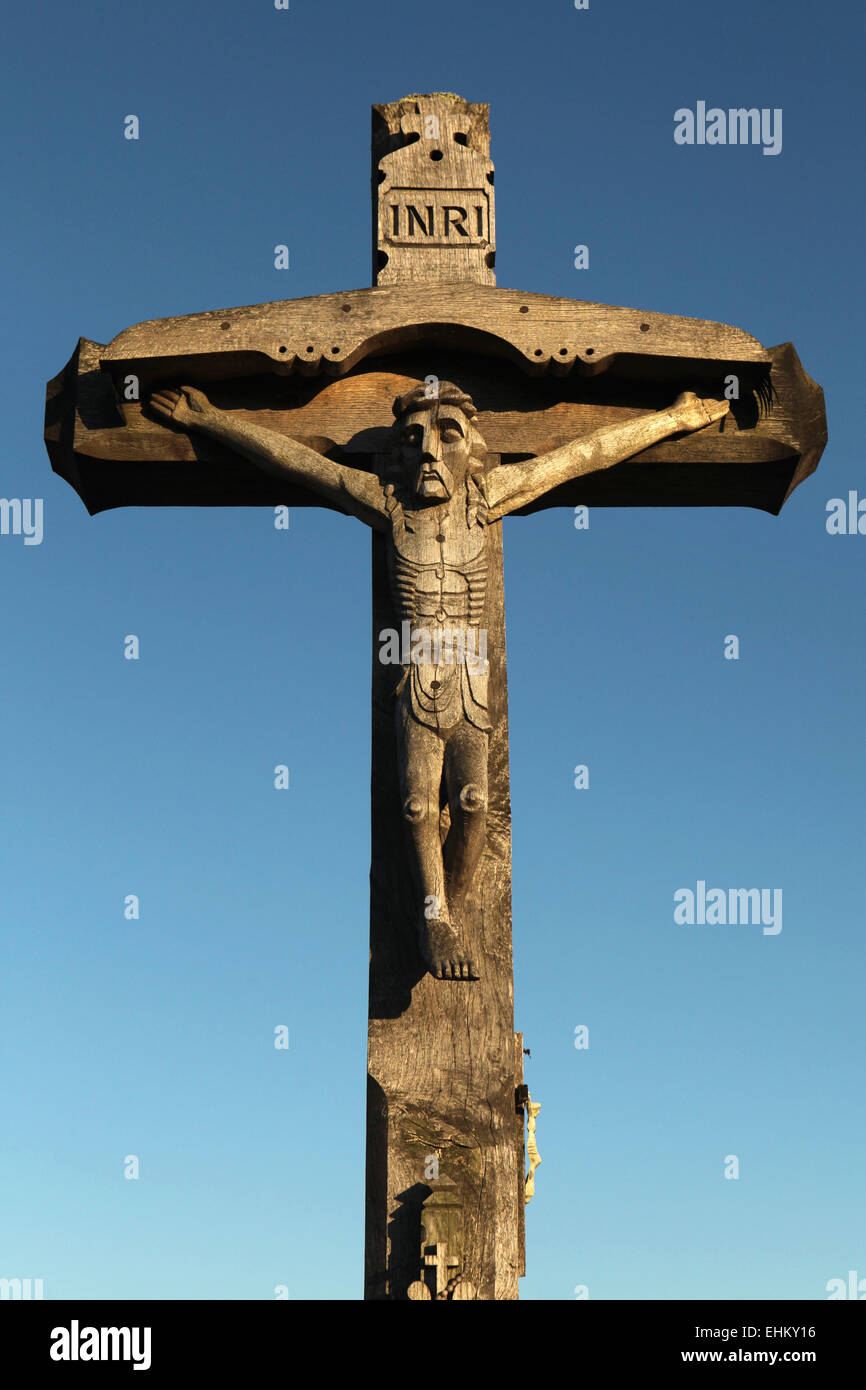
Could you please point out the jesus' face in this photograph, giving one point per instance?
(433, 443)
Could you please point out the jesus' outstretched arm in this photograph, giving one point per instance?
(512, 486)
(349, 489)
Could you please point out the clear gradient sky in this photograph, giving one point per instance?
(155, 777)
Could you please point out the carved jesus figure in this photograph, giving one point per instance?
(435, 515)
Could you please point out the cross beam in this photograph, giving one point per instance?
(550, 385)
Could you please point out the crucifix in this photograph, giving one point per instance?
(428, 408)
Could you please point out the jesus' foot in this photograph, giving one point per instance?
(442, 950)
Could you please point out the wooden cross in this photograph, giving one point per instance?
(554, 402)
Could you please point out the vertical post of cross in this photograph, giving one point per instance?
(432, 191)
(444, 1122)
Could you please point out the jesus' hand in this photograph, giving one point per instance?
(692, 413)
(187, 407)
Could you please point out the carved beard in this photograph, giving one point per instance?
(435, 482)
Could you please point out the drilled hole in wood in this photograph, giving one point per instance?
(563, 352)
(524, 309)
(282, 349)
(311, 349)
(336, 349)
(436, 154)
(225, 325)
(347, 308)
(644, 328)
(590, 351)
(538, 352)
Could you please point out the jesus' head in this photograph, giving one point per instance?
(436, 441)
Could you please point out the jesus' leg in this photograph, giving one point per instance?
(466, 778)
(420, 755)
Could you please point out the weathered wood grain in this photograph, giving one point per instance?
(332, 333)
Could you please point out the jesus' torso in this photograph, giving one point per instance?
(437, 564)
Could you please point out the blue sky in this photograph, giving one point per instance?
(155, 1037)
